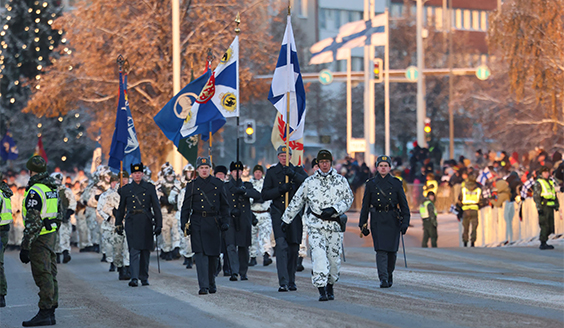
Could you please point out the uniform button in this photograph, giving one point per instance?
(215, 187)
(202, 207)
(202, 200)
(378, 199)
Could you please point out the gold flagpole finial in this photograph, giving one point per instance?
(289, 10)
(237, 21)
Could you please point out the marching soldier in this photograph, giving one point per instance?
(177, 197)
(220, 172)
(68, 203)
(205, 212)
(5, 219)
(327, 196)
(288, 242)
(119, 241)
(99, 184)
(107, 203)
(238, 237)
(469, 200)
(140, 208)
(262, 230)
(385, 200)
(41, 219)
(544, 194)
(171, 233)
(302, 253)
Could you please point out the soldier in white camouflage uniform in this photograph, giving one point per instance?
(328, 196)
(100, 183)
(119, 242)
(170, 234)
(261, 230)
(108, 201)
(84, 238)
(63, 246)
(177, 197)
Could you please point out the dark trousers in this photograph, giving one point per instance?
(3, 245)
(546, 223)
(139, 263)
(386, 263)
(205, 267)
(226, 263)
(469, 217)
(44, 270)
(238, 259)
(429, 231)
(286, 261)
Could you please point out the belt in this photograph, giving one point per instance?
(386, 208)
(259, 212)
(320, 217)
(205, 213)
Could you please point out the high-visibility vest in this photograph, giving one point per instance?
(6, 210)
(434, 189)
(424, 211)
(49, 200)
(470, 199)
(548, 192)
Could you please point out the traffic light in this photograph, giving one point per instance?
(378, 76)
(427, 128)
(249, 131)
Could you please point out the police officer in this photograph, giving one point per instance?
(5, 219)
(205, 212)
(327, 196)
(238, 236)
(385, 200)
(544, 195)
(428, 213)
(41, 219)
(287, 243)
(140, 208)
(469, 200)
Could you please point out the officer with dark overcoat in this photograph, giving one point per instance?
(287, 243)
(205, 213)
(385, 200)
(139, 207)
(238, 236)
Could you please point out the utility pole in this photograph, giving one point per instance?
(387, 87)
(176, 156)
(450, 86)
(420, 67)
(369, 116)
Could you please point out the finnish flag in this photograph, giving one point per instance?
(363, 33)
(288, 79)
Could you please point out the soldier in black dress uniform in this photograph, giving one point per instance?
(385, 200)
(238, 236)
(139, 206)
(205, 213)
(287, 243)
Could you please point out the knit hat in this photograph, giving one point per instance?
(124, 174)
(220, 169)
(324, 154)
(36, 164)
(258, 167)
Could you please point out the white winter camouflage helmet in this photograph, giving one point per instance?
(58, 177)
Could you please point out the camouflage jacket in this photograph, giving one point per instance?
(6, 191)
(109, 200)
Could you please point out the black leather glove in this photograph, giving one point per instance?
(157, 231)
(163, 200)
(97, 197)
(289, 171)
(240, 191)
(255, 221)
(115, 212)
(235, 213)
(49, 224)
(224, 227)
(328, 213)
(541, 212)
(284, 226)
(67, 216)
(403, 229)
(284, 188)
(24, 256)
(365, 231)
(119, 230)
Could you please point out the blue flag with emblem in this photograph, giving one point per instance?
(124, 147)
(8, 150)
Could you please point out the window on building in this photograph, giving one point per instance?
(439, 18)
(396, 9)
(337, 15)
(301, 6)
(467, 19)
(476, 20)
(458, 18)
(322, 18)
(484, 21)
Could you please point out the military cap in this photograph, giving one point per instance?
(384, 158)
(282, 150)
(137, 167)
(188, 167)
(220, 169)
(324, 154)
(58, 177)
(114, 177)
(236, 166)
(36, 164)
(203, 161)
(543, 169)
(314, 162)
(258, 167)
(124, 174)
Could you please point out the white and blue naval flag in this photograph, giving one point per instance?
(288, 79)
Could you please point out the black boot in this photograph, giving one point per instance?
(300, 266)
(66, 257)
(544, 245)
(163, 255)
(465, 244)
(42, 318)
(234, 277)
(188, 263)
(266, 260)
(384, 284)
(103, 258)
(2, 301)
(176, 253)
(253, 261)
(133, 283)
(168, 256)
(112, 267)
(329, 291)
(96, 248)
(58, 258)
(471, 244)
(322, 294)
(390, 279)
(185, 261)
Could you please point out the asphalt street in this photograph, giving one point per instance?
(444, 287)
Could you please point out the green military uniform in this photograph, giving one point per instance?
(41, 220)
(429, 216)
(470, 199)
(5, 219)
(544, 195)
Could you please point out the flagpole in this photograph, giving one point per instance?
(288, 62)
(237, 31)
(387, 87)
(211, 141)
